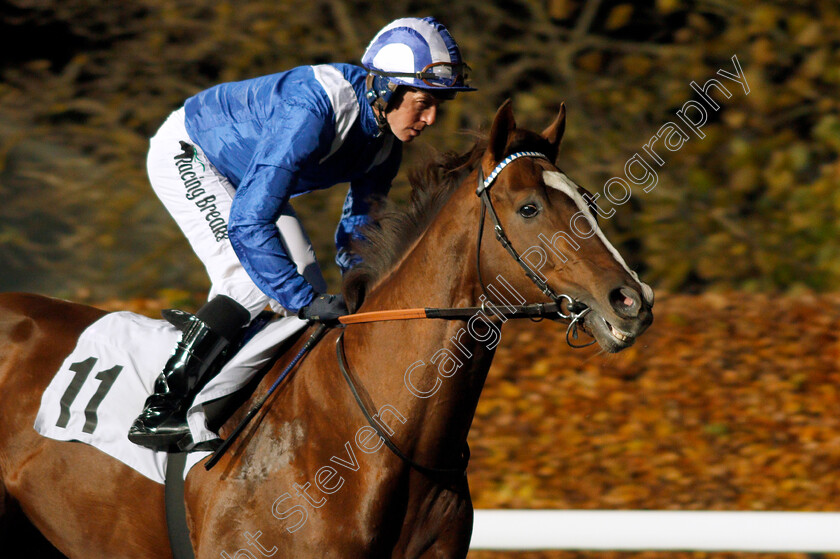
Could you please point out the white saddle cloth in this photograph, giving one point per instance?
(102, 385)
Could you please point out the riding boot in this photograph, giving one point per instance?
(205, 335)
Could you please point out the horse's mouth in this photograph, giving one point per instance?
(608, 336)
(620, 336)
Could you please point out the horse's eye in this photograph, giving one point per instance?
(529, 210)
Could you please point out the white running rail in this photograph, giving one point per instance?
(631, 530)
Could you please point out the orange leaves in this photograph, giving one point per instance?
(729, 401)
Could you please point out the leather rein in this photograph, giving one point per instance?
(574, 311)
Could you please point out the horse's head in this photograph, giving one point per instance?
(553, 226)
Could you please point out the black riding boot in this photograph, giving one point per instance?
(163, 422)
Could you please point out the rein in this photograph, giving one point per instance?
(575, 311)
(533, 311)
(438, 474)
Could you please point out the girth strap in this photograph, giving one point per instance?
(176, 511)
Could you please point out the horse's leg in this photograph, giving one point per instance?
(442, 525)
(85, 502)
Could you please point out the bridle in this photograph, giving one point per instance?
(561, 306)
(575, 309)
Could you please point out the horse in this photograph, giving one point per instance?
(373, 469)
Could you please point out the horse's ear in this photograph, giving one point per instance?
(554, 132)
(503, 124)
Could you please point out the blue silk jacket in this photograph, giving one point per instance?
(286, 134)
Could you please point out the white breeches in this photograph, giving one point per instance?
(199, 198)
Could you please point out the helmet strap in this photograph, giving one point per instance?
(378, 93)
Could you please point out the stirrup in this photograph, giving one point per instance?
(167, 442)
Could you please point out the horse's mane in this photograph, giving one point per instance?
(396, 228)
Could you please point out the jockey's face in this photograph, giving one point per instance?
(411, 113)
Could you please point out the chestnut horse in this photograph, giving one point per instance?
(310, 477)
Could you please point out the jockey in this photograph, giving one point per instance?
(226, 164)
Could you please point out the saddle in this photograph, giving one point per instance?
(102, 385)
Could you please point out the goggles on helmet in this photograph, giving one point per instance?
(436, 74)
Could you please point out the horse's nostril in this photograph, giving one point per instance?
(626, 301)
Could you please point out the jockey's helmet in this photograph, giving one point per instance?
(414, 52)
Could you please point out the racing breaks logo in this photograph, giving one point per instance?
(194, 191)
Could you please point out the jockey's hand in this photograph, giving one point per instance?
(324, 308)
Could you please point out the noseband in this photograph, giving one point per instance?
(575, 310)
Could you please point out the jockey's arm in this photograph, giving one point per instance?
(357, 205)
(262, 194)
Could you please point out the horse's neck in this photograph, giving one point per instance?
(394, 359)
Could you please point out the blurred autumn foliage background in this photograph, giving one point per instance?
(753, 205)
(731, 399)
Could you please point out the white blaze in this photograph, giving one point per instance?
(564, 184)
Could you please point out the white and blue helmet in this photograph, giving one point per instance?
(415, 52)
